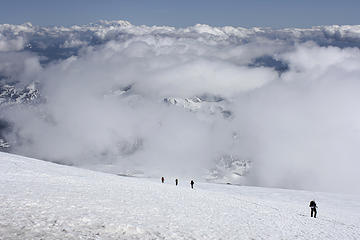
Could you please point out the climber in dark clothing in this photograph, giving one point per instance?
(176, 182)
(313, 208)
(192, 184)
(162, 179)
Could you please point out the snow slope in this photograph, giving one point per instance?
(42, 200)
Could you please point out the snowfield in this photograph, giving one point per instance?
(42, 200)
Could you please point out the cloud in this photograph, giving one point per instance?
(11, 44)
(305, 126)
(106, 104)
(19, 67)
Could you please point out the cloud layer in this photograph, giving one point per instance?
(165, 101)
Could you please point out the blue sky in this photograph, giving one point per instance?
(247, 13)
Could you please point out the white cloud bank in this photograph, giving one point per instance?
(105, 106)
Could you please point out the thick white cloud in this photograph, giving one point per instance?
(19, 67)
(11, 44)
(105, 106)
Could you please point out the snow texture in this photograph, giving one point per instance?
(43, 200)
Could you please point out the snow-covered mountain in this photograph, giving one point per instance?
(229, 169)
(42, 200)
(203, 105)
(10, 95)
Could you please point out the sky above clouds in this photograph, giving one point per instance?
(248, 13)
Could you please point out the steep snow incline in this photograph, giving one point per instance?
(41, 200)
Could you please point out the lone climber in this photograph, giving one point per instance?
(162, 179)
(176, 182)
(313, 208)
(192, 184)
